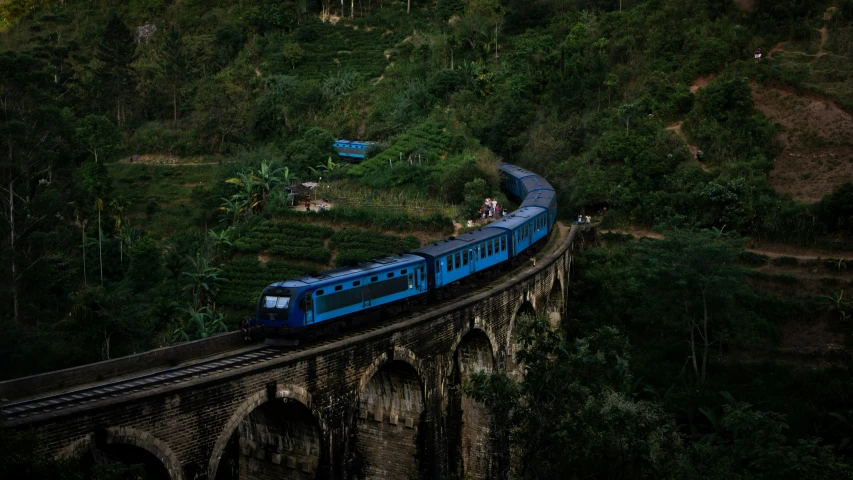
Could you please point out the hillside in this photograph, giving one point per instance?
(147, 144)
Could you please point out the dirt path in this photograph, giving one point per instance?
(697, 85)
(771, 250)
(166, 161)
(824, 37)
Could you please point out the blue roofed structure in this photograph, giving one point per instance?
(352, 148)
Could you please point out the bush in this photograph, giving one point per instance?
(356, 246)
(248, 277)
(292, 240)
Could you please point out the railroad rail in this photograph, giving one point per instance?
(55, 403)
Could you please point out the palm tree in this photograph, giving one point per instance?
(232, 208)
(119, 207)
(203, 280)
(219, 239)
(287, 179)
(201, 323)
(267, 177)
(248, 183)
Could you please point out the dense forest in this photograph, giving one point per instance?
(145, 146)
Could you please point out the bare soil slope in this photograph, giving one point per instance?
(817, 140)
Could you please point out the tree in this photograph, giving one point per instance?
(573, 398)
(116, 54)
(34, 144)
(626, 112)
(173, 62)
(475, 192)
(690, 279)
(98, 136)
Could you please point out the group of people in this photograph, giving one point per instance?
(587, 218)
(490, 209)
(320, 207)
(247, 325)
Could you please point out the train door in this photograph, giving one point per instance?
(472, 260)
(365, 295)
(309, 308)
(419, 279)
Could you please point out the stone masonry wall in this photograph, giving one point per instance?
(404, 372)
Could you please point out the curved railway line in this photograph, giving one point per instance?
(56, 403)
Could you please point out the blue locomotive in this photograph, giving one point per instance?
(300, 308)
(352, 148)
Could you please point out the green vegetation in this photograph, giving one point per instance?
(356, 246)
(291, 240)
(103, 258)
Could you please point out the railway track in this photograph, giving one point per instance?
(254, 357)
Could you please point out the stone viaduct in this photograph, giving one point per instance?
(380, 404)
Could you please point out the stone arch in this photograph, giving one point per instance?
(468, 421)
(526, 304)
(401, 354)
(478, 325)
(294, 393)
(132, 437)
(556, 303)
(391, 407)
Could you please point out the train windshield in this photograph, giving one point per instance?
(276, 302)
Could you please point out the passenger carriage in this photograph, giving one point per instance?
(525, 227)
(288, 308)
(546, 199)
(456, 258)
(352, 148)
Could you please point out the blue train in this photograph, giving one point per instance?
(352, 148)
(302, 307)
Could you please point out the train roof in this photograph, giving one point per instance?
(451, 244)
(515, 171)
(536, 182)
(342, 142)
(539, 198)
(514, 219)
(338, 274)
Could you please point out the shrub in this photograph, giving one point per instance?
(356, 246)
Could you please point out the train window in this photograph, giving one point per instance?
(356, 283)
(465, 258)
(482, 248)
(411, 282)
(458, 260)
(319, 292)
(390, 275)
(403, 271)
(374, 279)
(338, 288)
(489, 248)
(503, 244)
(437, 266)
(450, 263)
